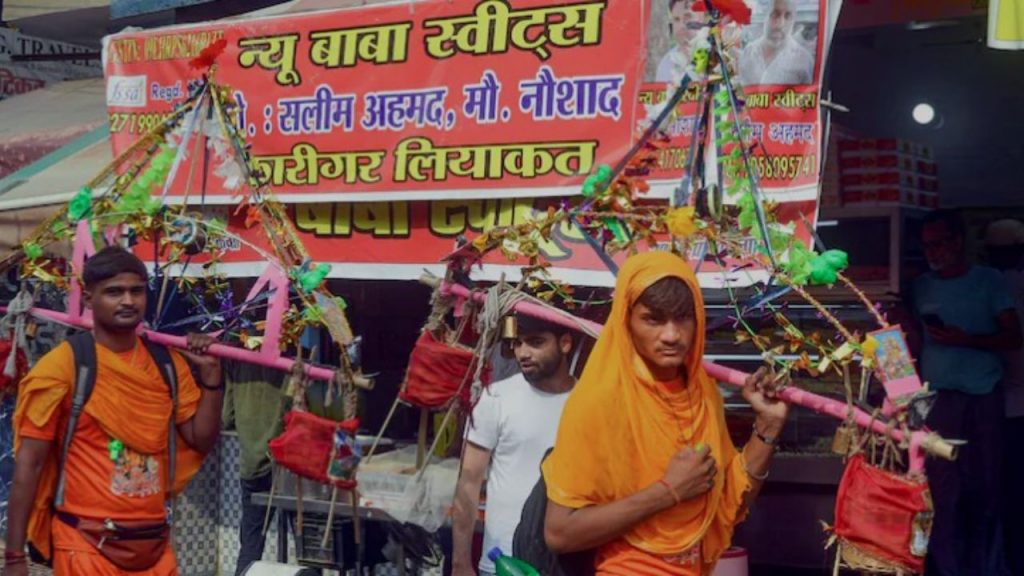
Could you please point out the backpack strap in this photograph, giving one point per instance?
(162, 356)
(83, 346)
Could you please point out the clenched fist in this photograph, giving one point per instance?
(691, 472)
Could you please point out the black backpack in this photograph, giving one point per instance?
(528, 542)
(83, 346)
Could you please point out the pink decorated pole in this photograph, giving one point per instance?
(920, 441)
(220, 350)
(242, 355)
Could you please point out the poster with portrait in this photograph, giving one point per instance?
(779, 47)
(778, 61)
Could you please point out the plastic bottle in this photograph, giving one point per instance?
(509, 566)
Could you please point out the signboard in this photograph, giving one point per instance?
(391, 130)
(410, 100)
(21, 77)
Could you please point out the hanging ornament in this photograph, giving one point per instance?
(32, 250)
(598, 181)
(680, 222)
(81, 205)
(311, 277)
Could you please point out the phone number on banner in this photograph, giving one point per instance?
(785, 167)
(138, 123)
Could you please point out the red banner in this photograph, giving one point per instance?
(415, 100)
(391, 130)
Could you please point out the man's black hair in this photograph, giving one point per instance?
(110, 262)
(669, 298)
(953, 220)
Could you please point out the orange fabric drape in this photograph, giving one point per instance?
(620, 428)
(130, 402)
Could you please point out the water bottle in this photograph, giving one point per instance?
(509, 566)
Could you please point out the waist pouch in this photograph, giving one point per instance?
(133, 545)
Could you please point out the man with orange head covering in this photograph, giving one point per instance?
(643, 468)
(113, 519)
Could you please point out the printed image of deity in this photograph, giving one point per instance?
(135, 475)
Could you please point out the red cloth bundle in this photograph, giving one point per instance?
(436, 370)
(21, 367)
(309, 447)
(884, 515)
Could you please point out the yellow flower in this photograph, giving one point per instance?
(680, 222)
(253, 342)
(869, 347)
(481, 242)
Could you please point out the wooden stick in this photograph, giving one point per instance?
(357, 528)
(383, 428)
(330, 518)
(356, 521)
(817, 306)
(863, 298)
(275, 473)
(188, 190)
(437, 437)
(298, 507)
(421, 437)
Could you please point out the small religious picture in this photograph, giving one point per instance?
(894, 365)
(345, 457)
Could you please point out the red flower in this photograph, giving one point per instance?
(735, 10)
(209, 55)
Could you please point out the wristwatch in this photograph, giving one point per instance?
(769, 440)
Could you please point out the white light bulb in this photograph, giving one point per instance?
(923, 113)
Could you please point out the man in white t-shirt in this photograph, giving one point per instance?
(513, 425)
(776, 57)
(1004, 242)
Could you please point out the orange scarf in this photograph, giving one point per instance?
(620, 428)
(130, 403)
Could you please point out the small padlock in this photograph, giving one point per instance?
(31, 329)
(842, 442)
